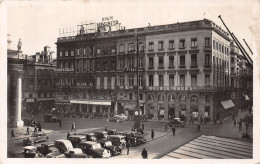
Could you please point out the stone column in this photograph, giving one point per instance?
(18, 112)
(108, 110)
(115, 108)
(94, 109)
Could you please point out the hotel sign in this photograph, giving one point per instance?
(171, 88)
(107, 23)
(65, 69)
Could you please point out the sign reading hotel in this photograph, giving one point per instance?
(65, 69)
(107, 24)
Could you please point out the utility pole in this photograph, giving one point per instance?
(137, 73)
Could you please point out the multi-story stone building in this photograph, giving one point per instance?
(184, 69)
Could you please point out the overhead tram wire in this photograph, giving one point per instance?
(249, 62)
(248, 46)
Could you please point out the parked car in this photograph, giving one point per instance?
(89, 136)
(50, 118)
(29, 151)
(101, 134)
(115, 118)
(123, 116)
(135, 138)
(111, 131)
(117, 140)
(75, 153)
(115, 150)
(63, 145)
(34, 138)
(55, 155)
(175, 122)
(47, 148)
(76, 139)
(94, 149)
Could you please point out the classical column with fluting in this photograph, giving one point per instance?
(18, 111)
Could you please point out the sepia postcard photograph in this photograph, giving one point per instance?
(122, 81)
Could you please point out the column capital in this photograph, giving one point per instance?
(20, 73)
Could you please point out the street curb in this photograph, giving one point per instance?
(170, 150)
(27, 136)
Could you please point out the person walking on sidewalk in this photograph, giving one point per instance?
(28, 131)
(68, 134)
(127, 147)
(59, 122)
(12, 134)
(152, 134)
(235, 122)
(144, 154)
(73, 127)
(173, 130)
(198, 127)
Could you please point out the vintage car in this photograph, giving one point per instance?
(34, 138)
(175, 122)
(63, 145)
(55, 155)
(89, 136)
(94, 149)
(29, 151)
(50, 118)
(76, 139)
(75, 153)
(115, 118)
(117, 140)
(101, 134)
(135, 138)
(111, 131)
(115, 150)
(47, 148)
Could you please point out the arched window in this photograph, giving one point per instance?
(160, 98)
(171, 98)
(182, 98)
(194, 99)
(150, 97)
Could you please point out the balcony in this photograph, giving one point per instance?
(150, 67)
(160, 67)
(194, 66)
(171, 67)
(182, 66)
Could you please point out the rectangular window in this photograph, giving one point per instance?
(161, 80)
(182, 79)
(171, 80)
(232, 60)
(113, 50)
(207, 80)
(207, 59)
(120, 63)
(207, 41)
(113, 64)
(140, 80)
(182, 43)
(140, 96)
(141, 65)
(160, 61)
(193, 60)
(160, 45)
(130, 62)
(207, 98)
(66, 53)
(150, 46)
(60, 53)
(150, 61)
(194, 80)
(130, 96)
(113, 82)
(91, 51)
(194, 42)
(98, 65)
(182, 60)
(105, 66)
(105, 50)
(151, 80)
(105, 82)
(121, 80)
(77, 51)
(171, 44)
(98, 51)
(131, 80)
(84, 52)
(98, 82)
(30, 73)
(171, 61)
(122, 48)
(232, 70)
(72, 53)
(131, 47)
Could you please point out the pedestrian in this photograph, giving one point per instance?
(68, 134)
(198, 127)
(235, 122)
(39, 127)
(35, 129)
(12, 134)
(133, 129)
(28, 131)
(127, 147)
(142, 126)
(105, 128)
(152, 134)
(59, 122)
(73, 127)
(144, 154)
(173, 130)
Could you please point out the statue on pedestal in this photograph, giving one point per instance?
(19, 46)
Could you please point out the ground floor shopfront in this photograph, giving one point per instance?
(33, 105)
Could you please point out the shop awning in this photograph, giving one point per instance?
(91, 102)
(227, 104)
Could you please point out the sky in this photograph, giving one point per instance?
(38, 23)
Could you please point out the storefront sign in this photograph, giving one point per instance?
(65, 69)
(81, 84)
(171, 88)
(30, 100)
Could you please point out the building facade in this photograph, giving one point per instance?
(184, 69)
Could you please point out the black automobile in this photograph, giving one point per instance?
(50, 118)
(47, 148)
(94, 149)
(89, 136)
(115, 150)
(76, 139)
(100, 134)
(111, 131)
(135, 138)
(34, 138)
